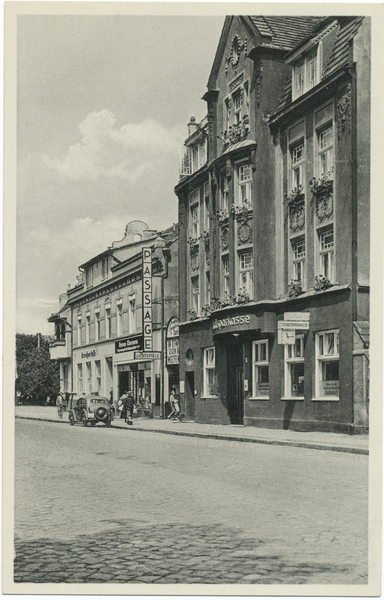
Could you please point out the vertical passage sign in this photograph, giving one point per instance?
(147, 299)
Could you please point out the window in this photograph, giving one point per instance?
(225, 260)
(209, 372)
(245, 184)
(104, 267)
(202, 157)
(297, 158)
(119, 309)
(206, 207)
(306, 74)
(298, 249)
(89, 277)
(294, 368)
(66, 378)
(327, 365)
(98, 376)
(97, 325)
(195, 230)
(108, 322)
(79, 330)
(237, 107)
(89, 377)
(260, 375)
(80, 389)
(224, 193)
(246, 272)
(87, 327)
(132, 313)
(207, 288)
(326, 253)
(325, 146)
(195, 300)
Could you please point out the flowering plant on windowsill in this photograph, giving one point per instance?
(223, 216)
(323, 185)
(206, 310)
(193, 243)
(241, 211)
(322, 283)
(235, 133)
(296, 195)
(192, 314)
(205, 237)
(242, 296)
(295, 288)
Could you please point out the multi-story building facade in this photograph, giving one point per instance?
(274, 228)
(112, 327)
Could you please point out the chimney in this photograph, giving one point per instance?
(192, 126)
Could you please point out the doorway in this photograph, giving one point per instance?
(235, 383)
(190, 395)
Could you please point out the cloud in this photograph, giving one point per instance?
(130, 152)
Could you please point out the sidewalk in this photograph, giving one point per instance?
(338, 442)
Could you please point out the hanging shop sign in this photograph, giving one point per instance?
(147, 299)
(173, 328)
(147, 355)
(296, 316)
(129, 344)
(293, 325)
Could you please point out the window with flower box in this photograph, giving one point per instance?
(260, 374)
(325, 148)
(326, 251)
(244, 175)
(195, 295)
(246, 272)
(209, 372)
(294, 368)
(297, 161)
(225, 273)
(327, 365)
(298, 260)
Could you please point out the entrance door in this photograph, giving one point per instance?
(235, 383)
(190, 395)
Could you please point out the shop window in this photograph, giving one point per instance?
(209, 372)
(108, 323)
(225, 269)
(98, 376)
(305, 74)
(297, 160)
(80, 389)
(246, 273)
(195, 295)
(294, 368)
(327, 365)
(260, 376)
(79, 330)
(97, 325)
(132, 313)
(244, 174)
(88, 367)
(119, 310)
(326, 242)
(298, 258)
(325, 147)
(87, 327)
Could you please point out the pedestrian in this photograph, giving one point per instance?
(173, 399)
(121, 405)
(128, 405)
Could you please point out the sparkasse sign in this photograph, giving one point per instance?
(296, 316)
(293, 325)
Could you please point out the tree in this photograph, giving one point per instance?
(37, 375)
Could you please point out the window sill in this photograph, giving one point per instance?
(262, 398)
(327, 399)
(300, 398)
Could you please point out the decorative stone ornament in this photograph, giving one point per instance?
(297, 216)
(244, 233)
(195, 261)
(224, 239)
(237, 46)
(324, 207)
(344, 110)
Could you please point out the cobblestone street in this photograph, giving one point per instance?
(103, 505)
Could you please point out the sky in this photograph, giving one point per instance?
(103, 104)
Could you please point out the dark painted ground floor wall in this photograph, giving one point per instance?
(258, 382)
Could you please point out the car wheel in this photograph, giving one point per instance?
(93, 423)
(84, 420)
(71, 419)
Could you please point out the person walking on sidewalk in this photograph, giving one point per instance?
(175, 414)
(128, 408)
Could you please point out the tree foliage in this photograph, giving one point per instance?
(37, 375)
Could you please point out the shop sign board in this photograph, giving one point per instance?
(173, 346)
(147, 299)
(293, 325)
(296, 316)
(173, 328)
(129, 344)
(286, 336)
(147, 355)
(235, 323)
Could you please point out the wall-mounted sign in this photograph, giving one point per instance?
(286, 336)
(234, 324)
(90, 353)
(296, 316)
(147, 355)
(173, 328)
(173, 350)
(147, 299)
(293, 325)
(129, 344)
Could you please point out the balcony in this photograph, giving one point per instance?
(59, 350)
(192, 158)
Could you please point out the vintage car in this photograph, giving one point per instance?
(91, 409)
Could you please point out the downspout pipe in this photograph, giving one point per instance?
(167, 258)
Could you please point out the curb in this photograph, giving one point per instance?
(309, 445)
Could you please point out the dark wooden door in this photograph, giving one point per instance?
(190, 395)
